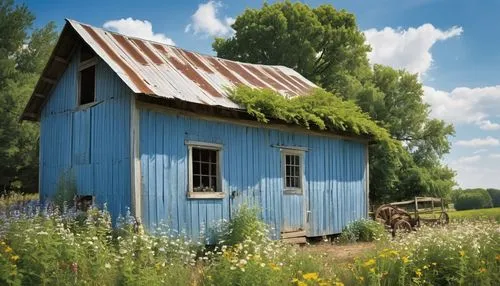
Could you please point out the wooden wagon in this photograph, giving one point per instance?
(409, 215)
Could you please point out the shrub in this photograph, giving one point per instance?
(495, 197)
(244, 224)
(472, 199)
(362, 230)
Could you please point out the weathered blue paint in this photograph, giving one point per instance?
(251, 170)
(93, 143)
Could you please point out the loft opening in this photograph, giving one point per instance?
(86, 76)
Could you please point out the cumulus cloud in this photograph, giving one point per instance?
(479, 142)
(206, 21)
(495, 155)
(465, 105)
(407, 49)
(137, 28)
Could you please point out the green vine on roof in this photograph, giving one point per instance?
(319, 108)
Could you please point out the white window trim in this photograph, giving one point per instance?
(300, 153)
(219, 194)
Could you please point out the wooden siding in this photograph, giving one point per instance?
(251, 171)
(91, 143)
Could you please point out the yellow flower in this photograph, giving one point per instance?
(337, 284)
(274, 266)
(418, 272)
(300, 283)
(8, 249)
(434, 263)
(372, 270)
(311, 276)
(295, 280)
(497, 257)
(405, 259)
(14, 258)
(2, 242)
(482, 270)
(360, 278)
(426, 267)
(369, 262)
(462, 253)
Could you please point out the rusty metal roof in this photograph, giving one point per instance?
(160, 70)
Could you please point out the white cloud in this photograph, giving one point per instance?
(480, 151)
(407, 49)
(469, 159)
(495, 156)
(479, 142)
(465, 105)
(205, 21)
(137, 28)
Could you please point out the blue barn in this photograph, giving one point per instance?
(147, 126)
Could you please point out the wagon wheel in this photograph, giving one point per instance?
(401, 226)
(444, 218)
(384, 214)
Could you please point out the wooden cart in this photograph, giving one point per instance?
(408, 215)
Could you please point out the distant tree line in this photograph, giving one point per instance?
(466, 199)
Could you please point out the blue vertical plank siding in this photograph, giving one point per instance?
(334, 175)
(93, 143)
(90, 143)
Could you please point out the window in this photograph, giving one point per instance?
(86, 78)
(292, 171)
(87, 85)
(204, 170)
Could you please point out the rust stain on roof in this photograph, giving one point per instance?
(136, 55)
(107, 49)
(224, 71)
(255, 70)
(238, 68)
(149, 53)
(191, 73)
(291, 79)
(289, 85)
(196, 61)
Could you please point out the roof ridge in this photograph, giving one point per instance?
(71, 21)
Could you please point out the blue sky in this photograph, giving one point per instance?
(452, 44)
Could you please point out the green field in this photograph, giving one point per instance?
(493, 213)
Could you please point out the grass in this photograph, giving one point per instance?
(47, 247)
(492, 213)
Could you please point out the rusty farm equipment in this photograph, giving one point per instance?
(409, 215)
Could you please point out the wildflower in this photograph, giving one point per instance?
(232, 268)
(107, 265)
(8, 249)
(482, 270)
(405, 259)
(418, 272)
(262, 265)
(311, 276)
(14, 258)
(372, 270)
(497, 257)
(369, 262)
(300, 283)
(336, 283)
(462, 253)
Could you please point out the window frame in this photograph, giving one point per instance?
(92, 62)
(219, 193)
(292, 190)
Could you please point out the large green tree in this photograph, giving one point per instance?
(326, 46)
(23, 53)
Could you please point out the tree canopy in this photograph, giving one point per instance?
(326, 46)
(23, 53)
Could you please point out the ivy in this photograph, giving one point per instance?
(318, 109)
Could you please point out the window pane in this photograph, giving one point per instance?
(214, 170)
(196, 154)
(205, 181)
(204, 155)
(196, 168)
(205, 168)
(287, 157)
(196, 181)
(297, 171)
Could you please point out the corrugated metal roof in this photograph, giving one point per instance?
(160, 70)
(166, 71)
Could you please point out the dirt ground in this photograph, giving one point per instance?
(338, 252)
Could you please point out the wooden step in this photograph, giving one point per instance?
(293, 234)
(295, 240)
